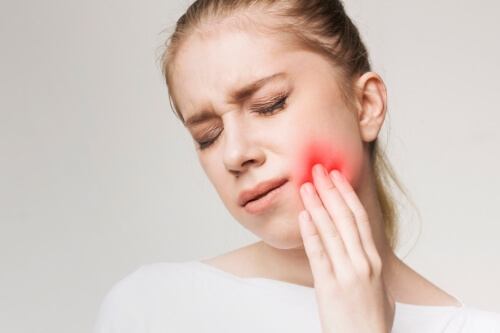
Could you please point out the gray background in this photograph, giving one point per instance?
(98, 177)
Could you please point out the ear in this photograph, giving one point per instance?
(372, 105)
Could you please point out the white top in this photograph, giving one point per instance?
(195, 297)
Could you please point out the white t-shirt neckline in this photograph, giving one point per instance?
(283, 284)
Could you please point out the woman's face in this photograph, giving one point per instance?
(272, 132)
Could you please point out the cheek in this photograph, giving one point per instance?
(215, 174)
(332, 156)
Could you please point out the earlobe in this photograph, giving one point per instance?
(372, 96)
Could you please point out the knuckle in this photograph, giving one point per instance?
(348, 278)
(346, 220)
(363, 268)
(346, 215)
(331, 233)
(313, 247)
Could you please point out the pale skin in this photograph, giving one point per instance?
(345, 263)
(247, 148)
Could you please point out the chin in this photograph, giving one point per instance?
(281, 232)
(279, 228)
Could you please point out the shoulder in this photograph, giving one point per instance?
(478, 320)
(150, 278)
(449, 319)
(127, 303)
(144, 277)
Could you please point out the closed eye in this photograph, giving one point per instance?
(211, 136)
(269, 108)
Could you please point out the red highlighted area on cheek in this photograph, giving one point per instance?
(316, 152)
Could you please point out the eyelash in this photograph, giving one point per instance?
(266, 110)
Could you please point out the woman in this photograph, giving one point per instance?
(285, 111)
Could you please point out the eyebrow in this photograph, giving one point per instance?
(238, 96)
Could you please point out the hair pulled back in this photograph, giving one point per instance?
(319, 25)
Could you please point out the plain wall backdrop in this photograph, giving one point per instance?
(98, 177)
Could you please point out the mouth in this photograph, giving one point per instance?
(262, 196)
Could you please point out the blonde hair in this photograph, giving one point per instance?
(319, 25)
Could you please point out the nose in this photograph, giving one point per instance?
(240, 150)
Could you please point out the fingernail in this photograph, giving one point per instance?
(320, 170)
(307, 188)
(336, 175)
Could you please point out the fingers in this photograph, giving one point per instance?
(319, 260)
(361, 217)
(341, 215)
(341, 222)
(329, 235)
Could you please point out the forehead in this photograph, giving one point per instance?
(209, 68)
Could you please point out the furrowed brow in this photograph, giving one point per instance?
(199, 118)
(236, 97)
(247, 91)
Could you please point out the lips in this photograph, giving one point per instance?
(260, 190)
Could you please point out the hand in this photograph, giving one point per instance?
(345, 264)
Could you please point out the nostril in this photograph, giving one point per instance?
(248, 162)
